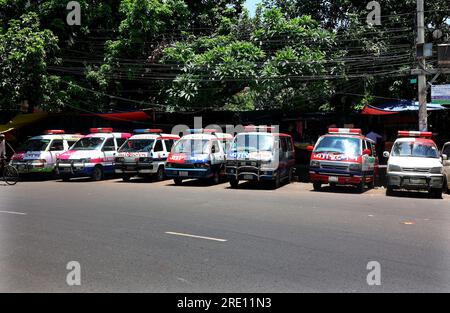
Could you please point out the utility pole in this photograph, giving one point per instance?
(422, 78)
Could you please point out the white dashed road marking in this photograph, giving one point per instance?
(195, 236)
(10, 212)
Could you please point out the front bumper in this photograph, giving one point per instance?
(413, 181)
(340, 180)
(75, 169)
(250, 173)
(188, 173)
(28, 168)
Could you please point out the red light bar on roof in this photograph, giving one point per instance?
(259, 128)
(54, 132)
(406, 133)
(348, 131)
(101, 130)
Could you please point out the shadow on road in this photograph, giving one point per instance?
(411, 194)
(197, 183)
(340, 189)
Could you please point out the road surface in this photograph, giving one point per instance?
(157, 237)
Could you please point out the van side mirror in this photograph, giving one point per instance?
(310, 148)
(386, 154)
(367, 152)
(444, 157)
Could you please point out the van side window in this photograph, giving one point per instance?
(109, 145)
(290, 147)
(446, 150)
(158, 146)
(169, 143)
(120, 142)
(283, 144)
(57, 145)
(70, 143)
(215, 146)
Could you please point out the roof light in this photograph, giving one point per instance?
(54, 132)
(148, 131)
(252, 128)
(101, 130)
(406, 133)
(348, 131)
(202, 131)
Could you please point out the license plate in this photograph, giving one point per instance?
(183, 174)
(248, 177)
(417, 181)
(333, 179)
(130, 168)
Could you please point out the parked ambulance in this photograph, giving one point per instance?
(343, 157)
(258, 154)
(415, 164)
(200, 155)
(39, 154)
(92, 156)
(144, 154)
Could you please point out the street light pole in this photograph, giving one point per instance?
(422, 78)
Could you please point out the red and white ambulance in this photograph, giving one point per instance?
(144, 154)
(343, 157)
(92, 156)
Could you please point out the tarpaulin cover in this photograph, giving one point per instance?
(125, 116)
(397, 107)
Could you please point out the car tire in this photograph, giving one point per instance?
(215, 179)
(126, 178)
(436, 193)
(160, 174)
(389, 191)
(371, 185)
(317, 186)
(277, 182)
(234, 183)
(361, 186)
(178, 181)
(65, 178)
(291, 175)
(445, 188)
(97, 173)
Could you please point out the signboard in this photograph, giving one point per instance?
(440, 94)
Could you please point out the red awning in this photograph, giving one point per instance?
(369, 110)
(126, 116)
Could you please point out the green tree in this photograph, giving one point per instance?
(25, 53)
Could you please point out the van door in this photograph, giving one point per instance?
(56, 148)
(109, 150)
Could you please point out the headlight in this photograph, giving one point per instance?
(314, 164)
(394, 168)
(120, 159)
(267, 165)
(355, 167)
(87, 160)
(436, 170)
(145, 160)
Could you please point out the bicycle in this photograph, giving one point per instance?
(10, 174)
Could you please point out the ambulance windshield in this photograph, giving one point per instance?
(192, 146)
(415, 149)
(89, 143)
(35, 145)
(342, 145)
(137, 145)
(253, 142)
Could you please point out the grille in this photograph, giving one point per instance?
(335, 167)
(416, 170)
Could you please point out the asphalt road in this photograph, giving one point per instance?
(140, 237)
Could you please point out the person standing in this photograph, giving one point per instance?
(2, 147)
